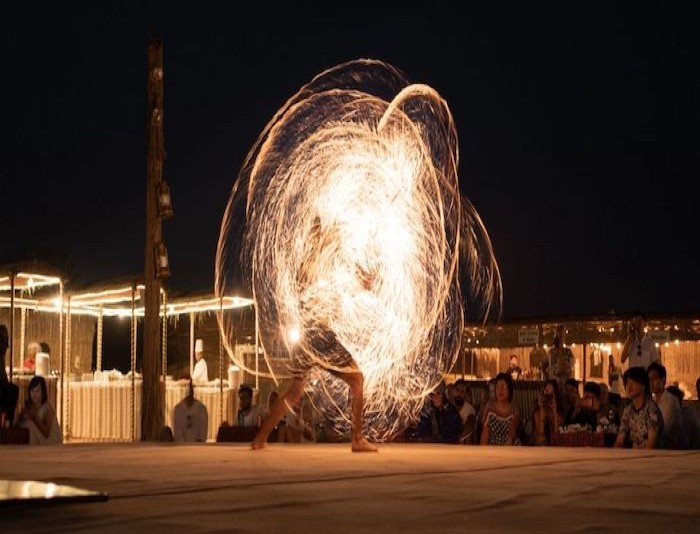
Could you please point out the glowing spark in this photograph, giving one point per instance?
(357, 235)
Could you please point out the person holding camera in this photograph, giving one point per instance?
(639, 348)
(560, 359)
(547, 415)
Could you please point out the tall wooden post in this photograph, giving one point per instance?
(153, 393)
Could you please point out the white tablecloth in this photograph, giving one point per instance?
(101, 411)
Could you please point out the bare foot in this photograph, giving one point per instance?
(257, 445)
(362, 445)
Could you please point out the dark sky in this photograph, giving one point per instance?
(578, 129)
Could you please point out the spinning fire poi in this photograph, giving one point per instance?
(361, 252)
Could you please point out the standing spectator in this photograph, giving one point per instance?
(515, 369)
(538, 356)
(668, 404)
(615, 376)
(639, 348)
(560, 360)
(642, 423)
(200, 373)
(502, 420)
(190, 419)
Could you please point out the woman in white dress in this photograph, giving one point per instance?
(39, 416)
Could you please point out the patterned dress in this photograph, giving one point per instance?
(499, 428)
(636, 424)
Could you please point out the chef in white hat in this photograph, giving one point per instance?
(200, 374)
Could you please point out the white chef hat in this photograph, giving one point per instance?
(199, 346)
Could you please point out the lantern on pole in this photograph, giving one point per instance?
(165, 206)
(162, 263)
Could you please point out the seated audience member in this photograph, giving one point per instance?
(668, 404)
(451, 393)
(501, 420)
(248, 415)
(604, 400)
(190, 419)
(642, 423)
(39, 416)
(689, 435)
(695, 410)
(467, 413)
(30, 357)
(571, 401)
(165, 435)
(547, 414)
(9, 392)
(299, 424)
(439, 421)
(589, 407)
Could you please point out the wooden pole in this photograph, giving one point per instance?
(134, 327)
(12, 324)
(100, 331)
(61, 354)
(191, 343)
(22, 333)
(164, 341)
(221, 362)
(69, 367)
(153, 401)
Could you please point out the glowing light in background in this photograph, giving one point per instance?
(355, 230)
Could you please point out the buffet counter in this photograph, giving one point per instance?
(101, 410)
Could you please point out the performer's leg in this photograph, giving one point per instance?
(277, 410)
(355, 380)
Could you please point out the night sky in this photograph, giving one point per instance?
(578, 129)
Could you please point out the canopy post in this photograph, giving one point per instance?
(100, 329)
(133, 362)
(191, 343)
(221, 362)
(12, 324)
(164, 352)
(61, 358)
(68, 367)
(164, 343)
(22, 333)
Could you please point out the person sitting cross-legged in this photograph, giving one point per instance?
(190, 419)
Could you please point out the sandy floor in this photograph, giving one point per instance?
(325, 488)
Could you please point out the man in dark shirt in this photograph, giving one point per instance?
(439, 421)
